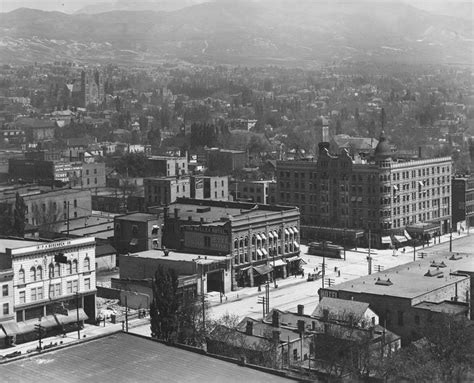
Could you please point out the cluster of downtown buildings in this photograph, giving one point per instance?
(196, 225)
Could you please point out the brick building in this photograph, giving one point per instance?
(43, 288)
(168, 166)
(463, 202)
(254, 191)
(383, 194)
(407, 296)
(137, 232)
(263, 240)
(225, 160)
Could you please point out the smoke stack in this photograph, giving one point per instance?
(300, 309)
(419, 152)
(276, 319)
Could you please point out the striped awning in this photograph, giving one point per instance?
(386, 240)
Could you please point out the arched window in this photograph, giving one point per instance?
(246, 241)
(87, 264)
(74, 266)
(236, 244)
(254, 239)
(21, 276)
(57, 270)
(33, 274)
(69, 267)
(51, 270)
(39, 273)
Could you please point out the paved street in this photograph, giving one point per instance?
(294, 291)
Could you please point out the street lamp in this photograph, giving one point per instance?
(324, 263)
(369, 258)
(274, 270)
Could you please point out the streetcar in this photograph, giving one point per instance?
(326, 249)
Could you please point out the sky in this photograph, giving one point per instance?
(70, 6)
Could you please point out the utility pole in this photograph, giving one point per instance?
(203, 301)
(40, 330)
(344, 242)
(77, 312)
(369, 258)
(324, 264)
(67, 222)
(267, 294)
(126, 313)
(451, 240)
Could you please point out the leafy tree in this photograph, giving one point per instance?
(445, 354)
(175, 317)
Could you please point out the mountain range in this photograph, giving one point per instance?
(241, 32)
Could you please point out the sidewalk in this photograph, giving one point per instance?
(88, 332)
(356, 260)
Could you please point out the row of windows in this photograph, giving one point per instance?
(55, 290)
(36, 273)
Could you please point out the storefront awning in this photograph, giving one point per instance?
(72, 316)
(263, 269)
(399, 238)
(386, 240)
(293, 259)
(10, 328)
(279, 262)
(407, 236)
(28, 326)
(245, 268)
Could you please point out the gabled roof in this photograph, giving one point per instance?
(341, 309)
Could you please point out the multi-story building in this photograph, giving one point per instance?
(137, 232)
(408, 296)
(51, 207)
(7, 312)
(225, 160)
(86, 175)
(261, 239)
(210, 187)
(253, 191)
(168, 166)
(53, 285)
(383, 194)
(463, 202)
(161, 191)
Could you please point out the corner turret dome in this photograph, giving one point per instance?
(383, 149)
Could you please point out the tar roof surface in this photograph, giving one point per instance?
(409, 280)
(127, 358)
(177, 256)
(138, 217)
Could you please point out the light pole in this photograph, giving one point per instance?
(324, 263)
(344, 242)
(369, 258)
(274, 270)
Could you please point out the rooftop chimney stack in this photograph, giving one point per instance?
(275, 319)
(300, 309)
(249, 328)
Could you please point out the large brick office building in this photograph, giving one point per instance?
(381, 193)
(261, 239)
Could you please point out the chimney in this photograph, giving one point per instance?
(419, 152)
(249, 328)
(300, 309)
(301, 326)
(275, 319)
(276, 336)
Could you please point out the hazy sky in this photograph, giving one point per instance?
(69, 6)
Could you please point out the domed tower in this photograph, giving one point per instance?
(383, 161)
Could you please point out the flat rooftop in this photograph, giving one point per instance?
(215, 211)
(177, 256)
(125, 357)
(409, 280)
(137, 217)
(16, 244)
